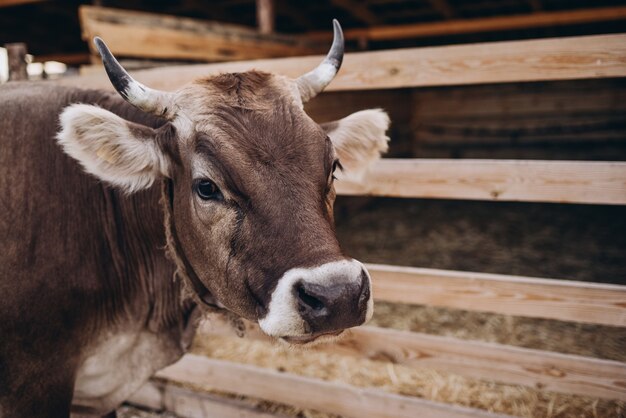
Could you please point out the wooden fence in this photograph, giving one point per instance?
(513, 180)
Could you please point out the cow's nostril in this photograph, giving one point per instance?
(308, 299)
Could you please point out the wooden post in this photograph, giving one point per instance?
(16, 53)
(265, 16)
(363, 43)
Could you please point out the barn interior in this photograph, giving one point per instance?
(573, 120)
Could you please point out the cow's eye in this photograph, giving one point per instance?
(207, 190)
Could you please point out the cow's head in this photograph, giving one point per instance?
(251, 187)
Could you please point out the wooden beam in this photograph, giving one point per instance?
(498, 180)
(580, 98)
(600, 56)
(331, 397)
(10, 3)
(73, 58)
(357, 9)
(164, 396)
(146, 35)
(563, 300)
(547, 370)
(443, 7)
(486, 24)
(265, 16)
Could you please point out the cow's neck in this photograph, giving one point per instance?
(145, 320)
(152, 210)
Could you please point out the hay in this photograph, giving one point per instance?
(590, 340)
(543, 334)
(582, 339)
(428, 384)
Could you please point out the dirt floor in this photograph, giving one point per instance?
(558, 241)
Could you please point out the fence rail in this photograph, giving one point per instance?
(578, 57)
(565, 300)
(551, 371)
(305, 392)
(501, 180)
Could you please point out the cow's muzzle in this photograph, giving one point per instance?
(312, 302)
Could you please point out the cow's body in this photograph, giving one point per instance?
(83, 270)
(92, 306)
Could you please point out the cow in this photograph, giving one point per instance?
(125, 216)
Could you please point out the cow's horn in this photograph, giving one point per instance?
(152, 101)
(313, 82)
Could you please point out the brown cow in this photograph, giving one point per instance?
(91, 306)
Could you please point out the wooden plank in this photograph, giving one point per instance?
(484, 24)
(505, 101)
(500, 180)
(565, 300)
(566, 130)
(305, 392)
(600, 56)
(146, 35)
(458, 136)
(71, 58)
(541, 369)
(163, 396)
(337, 105)
(9, 3)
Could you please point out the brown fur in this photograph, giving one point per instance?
(274, 162)
(78, 258)
(70, 261)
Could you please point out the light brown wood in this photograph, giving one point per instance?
(488, 361)
(163, 396)
(146, 35)
(485, 24)
(9, 3)
(511, 295)
(265, 16)
(500, 180)
(304, 392)
(583, 57)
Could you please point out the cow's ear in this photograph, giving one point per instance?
(359, 139)
(115, 150)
